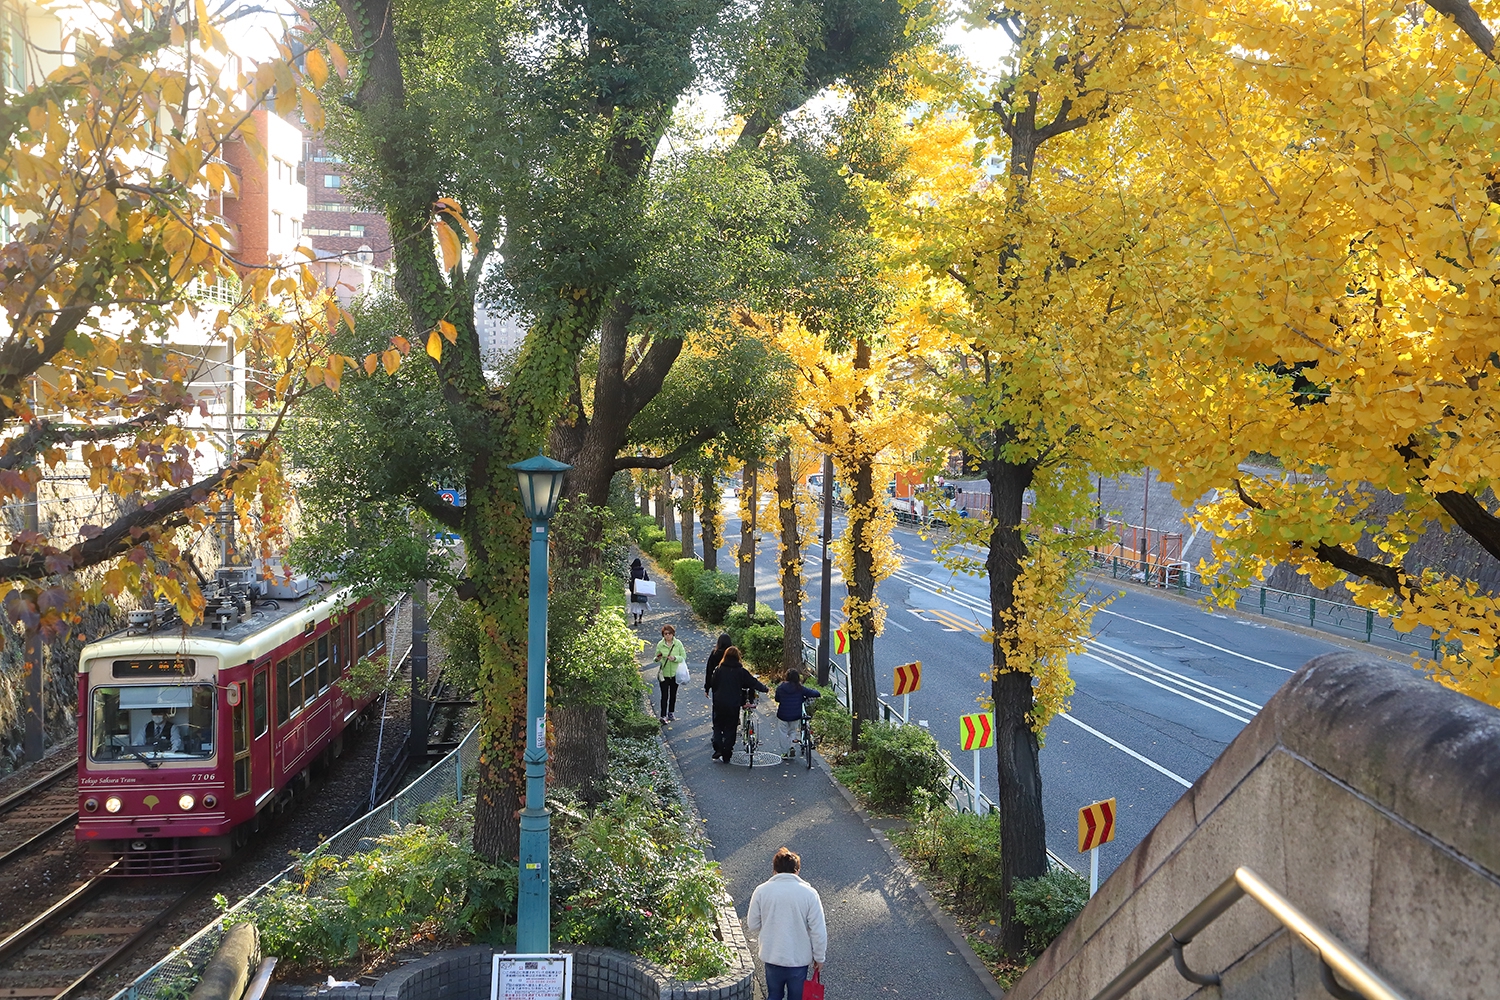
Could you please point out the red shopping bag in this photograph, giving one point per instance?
(813, 988)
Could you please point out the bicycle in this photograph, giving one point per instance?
(807, 737)
(749, 733)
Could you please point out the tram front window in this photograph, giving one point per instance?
(155, 722)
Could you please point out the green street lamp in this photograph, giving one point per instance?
(541, 488)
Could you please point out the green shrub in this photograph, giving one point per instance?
(649, 537)
(685, 573)
(962, 851)
(762, 646)
(629, 879)
(713, 593)
(667, 553)
(901, 765)
(1048, 904)
(422, 880)
(639, 523)
(832, 725)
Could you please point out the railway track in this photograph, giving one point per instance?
(34, 813)
(70, 942)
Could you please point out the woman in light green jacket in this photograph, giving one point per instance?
(670, 656)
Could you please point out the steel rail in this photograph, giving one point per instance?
(1333, 957)
(19, 938)
(131, 943)
(15, 798)
(27, 844)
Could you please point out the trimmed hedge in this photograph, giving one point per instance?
(713, 593)
(759, 636)
(762, 646)
(685, 573)
(901, 766)
(667, 553)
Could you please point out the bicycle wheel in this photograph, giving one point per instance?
(752, 742)
(807, 746)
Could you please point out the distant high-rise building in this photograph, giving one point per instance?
(499, 332)
(352, 242)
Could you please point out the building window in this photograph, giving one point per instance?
(356, 230)
(13, 40)
(277, 217)
(333, 180)
(297, 227)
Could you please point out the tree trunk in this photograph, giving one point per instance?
(502, 698)
(686, 506)
(1023, 826)
(861, 586)
(661, 504)
(645, 495)
(791, 565)
(711, 540)
(581, 759)
(748, 504)
(669, 519)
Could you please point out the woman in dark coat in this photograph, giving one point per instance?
(728, 689)
(640, 603)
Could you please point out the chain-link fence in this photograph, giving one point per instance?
(174, 977)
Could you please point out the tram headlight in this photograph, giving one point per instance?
(210, 800)
(91, 805)
(112, 804)
(186, 802)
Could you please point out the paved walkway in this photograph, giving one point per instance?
(883, 940)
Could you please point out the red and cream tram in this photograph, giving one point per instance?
(191, 735)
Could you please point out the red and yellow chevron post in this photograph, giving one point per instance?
(1096, 826)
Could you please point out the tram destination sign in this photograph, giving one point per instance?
(160, 667)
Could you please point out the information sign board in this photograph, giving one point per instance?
(532, 977)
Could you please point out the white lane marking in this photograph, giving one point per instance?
(1120, 746)
(1194, 688)
(1167, 687)
(959, 597)
(897, 624)
(1201, 642)
(1207, 690)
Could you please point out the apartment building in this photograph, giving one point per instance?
(351, 242)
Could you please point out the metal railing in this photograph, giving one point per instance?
(1315, 612)
(1333, 957)
(963, 794)
(174, 977)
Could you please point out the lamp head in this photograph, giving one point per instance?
(541, 480)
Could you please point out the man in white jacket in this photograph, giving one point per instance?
(787, 915)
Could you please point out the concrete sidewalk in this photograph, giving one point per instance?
(883, 938)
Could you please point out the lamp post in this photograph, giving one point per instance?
(541, 481)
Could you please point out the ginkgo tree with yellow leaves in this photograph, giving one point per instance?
(1038, 281)
(1335, 187)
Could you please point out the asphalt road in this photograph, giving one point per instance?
(1162, 688)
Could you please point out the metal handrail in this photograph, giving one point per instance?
(1332, 955)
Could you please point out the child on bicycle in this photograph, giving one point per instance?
(790, 696)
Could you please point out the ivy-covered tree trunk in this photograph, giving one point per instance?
(750, 497)
(712, 498)
(686, 506)
(1023, 826)
(668, 515)
(791, 565)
